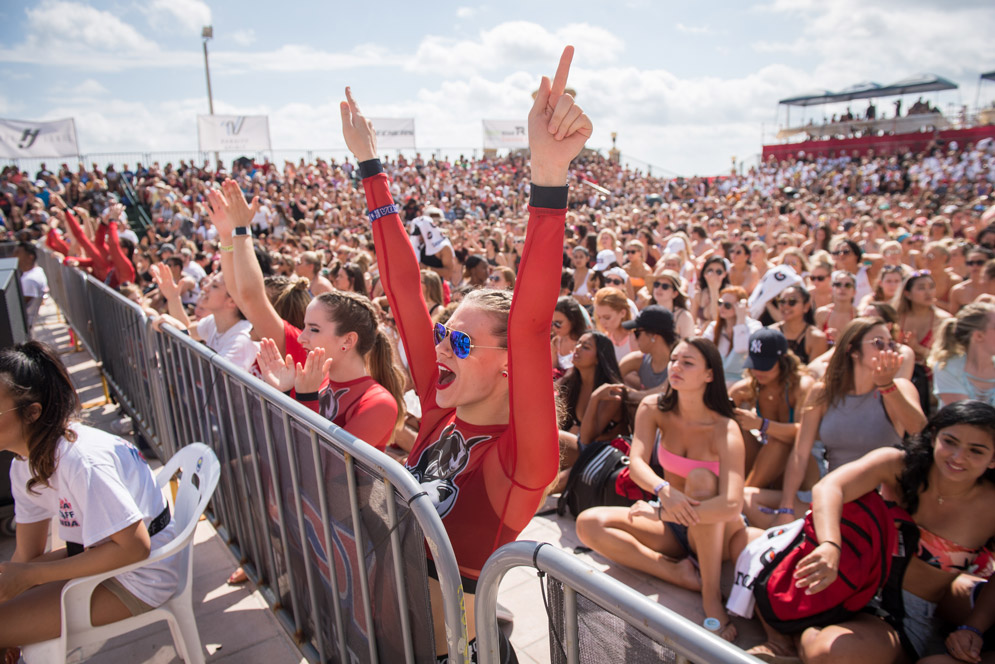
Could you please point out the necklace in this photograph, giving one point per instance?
(939, 496)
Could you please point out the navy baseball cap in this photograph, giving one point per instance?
(766, 346)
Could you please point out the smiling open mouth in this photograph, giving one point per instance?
(446, 377)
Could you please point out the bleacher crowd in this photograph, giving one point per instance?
(820, 311)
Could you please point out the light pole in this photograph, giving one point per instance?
(208, 33)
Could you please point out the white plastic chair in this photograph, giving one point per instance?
(195, 460)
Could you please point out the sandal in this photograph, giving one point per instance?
(238, 577)
(774, 653)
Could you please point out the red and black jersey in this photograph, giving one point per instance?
(486, 481)
(363, 407)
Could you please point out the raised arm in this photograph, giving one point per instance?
(250, 287)
(123, 267)
(399, 271)
(558, 129)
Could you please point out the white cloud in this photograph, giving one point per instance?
(89, 88)
(854, 41)
(512, 44)
(694, 29)
(244, 37)
(189, 15)
(465, 12)
(64, 25)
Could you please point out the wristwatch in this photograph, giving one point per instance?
(242, 231)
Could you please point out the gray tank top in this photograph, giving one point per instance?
(647, 376)
(855, 426)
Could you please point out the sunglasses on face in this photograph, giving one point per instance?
(614, 282)
(459, 341)
(726, 305)
(718, 272)
(663, 285)
(637, 332)
(881, 343)
(735, 252)
(842, 252)
(632, 251)
(494, 277)
(975, 263)
(843, 284)
(818, 277)
(787, 301)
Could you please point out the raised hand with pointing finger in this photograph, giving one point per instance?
(558, 127)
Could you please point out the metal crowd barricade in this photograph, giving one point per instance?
(317, 516)
(593, 617)
(322, 520)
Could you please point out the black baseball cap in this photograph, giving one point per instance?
(655, 319)
(766, 346)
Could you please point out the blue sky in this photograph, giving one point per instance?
(685, 85)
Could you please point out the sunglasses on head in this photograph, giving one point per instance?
(459, 341)
(663, 285)
(614, 282)
(787, 301)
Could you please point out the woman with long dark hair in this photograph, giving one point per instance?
(860, 405)
(594, 365)
(111, 513)
(944, 478)
(692, 430)
(797, 324)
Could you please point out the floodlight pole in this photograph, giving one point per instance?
(208, 33)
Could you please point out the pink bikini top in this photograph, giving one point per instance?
(682, 466)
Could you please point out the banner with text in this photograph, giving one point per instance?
(395, 132)
(22, 138)
(233, 132)
(505, 134)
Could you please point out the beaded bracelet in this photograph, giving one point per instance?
(969, 629)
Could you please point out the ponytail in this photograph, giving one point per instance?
(954, 334)
(385, 371)
(33, 374)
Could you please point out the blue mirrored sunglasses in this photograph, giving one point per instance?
(459, 341)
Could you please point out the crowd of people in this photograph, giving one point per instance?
(768, 343)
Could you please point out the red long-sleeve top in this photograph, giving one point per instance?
(487, 481)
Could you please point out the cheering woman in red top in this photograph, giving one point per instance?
(487, 449)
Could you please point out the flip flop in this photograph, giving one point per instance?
(238, 577)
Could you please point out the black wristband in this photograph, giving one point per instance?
(307, 396)
(553, 198)
(288, 392)
(369, 168)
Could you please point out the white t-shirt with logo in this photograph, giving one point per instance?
(101, 485)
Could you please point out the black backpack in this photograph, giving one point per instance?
(592, 479)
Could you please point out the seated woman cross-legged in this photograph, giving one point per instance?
(692, 430)
(111, 513)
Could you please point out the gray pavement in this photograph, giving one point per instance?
(235, 623)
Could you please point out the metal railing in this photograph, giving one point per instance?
(318, 517)
(594, 617)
